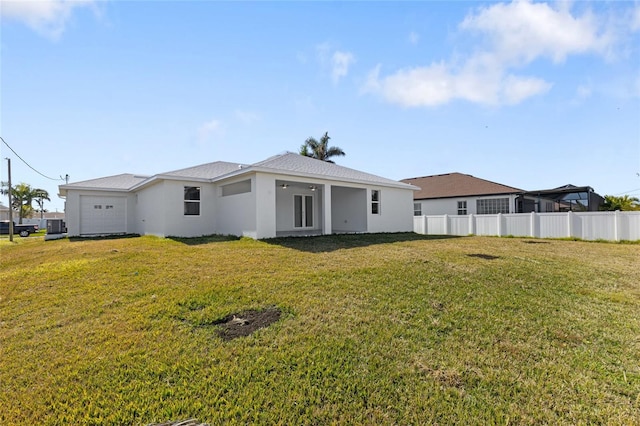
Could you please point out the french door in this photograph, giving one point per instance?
(303, 211)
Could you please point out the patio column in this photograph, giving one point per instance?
(326, 209)
(265, 206)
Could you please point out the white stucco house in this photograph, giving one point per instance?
(287, 194)
(462, 194)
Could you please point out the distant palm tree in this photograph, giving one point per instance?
(622, 203)
(40, 196)
(320, 150)
(23, 196)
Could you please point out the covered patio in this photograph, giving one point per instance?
(306, 208)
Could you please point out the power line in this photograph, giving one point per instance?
(631, 191)
(29, 165)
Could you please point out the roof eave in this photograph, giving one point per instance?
(160, 177)
(519, 192)
(66, 188)
(399, 185)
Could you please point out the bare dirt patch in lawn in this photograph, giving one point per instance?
(244, 323)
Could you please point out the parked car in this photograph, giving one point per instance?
(22, 230)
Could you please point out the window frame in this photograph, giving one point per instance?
(189, 203)
(305, 212)
(417, 211)
(376, 202)
(462, 208)
(493, 205)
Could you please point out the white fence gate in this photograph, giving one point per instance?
(612, 226)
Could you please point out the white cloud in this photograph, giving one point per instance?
(516, 34)
(516, 89)
(522, 31)
(635, 19)
(422, 86)
(340, 61)
(47, 17)
(437, 84)
(209, 130)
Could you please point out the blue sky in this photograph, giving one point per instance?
(529, 94)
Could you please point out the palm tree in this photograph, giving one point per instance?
(23, 196)
(320, 150)
(622, 203)
(40, 196)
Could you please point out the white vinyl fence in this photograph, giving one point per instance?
(612, 226)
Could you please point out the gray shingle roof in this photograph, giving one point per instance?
(206, 171)
(287, 163)
(301, 165)
(118, 182)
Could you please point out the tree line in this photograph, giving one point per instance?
(622, 203)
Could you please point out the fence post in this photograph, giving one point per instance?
(532, 224)
(446, 224)
(616, 225)
(424, 225)
(499, 224)
(472, 224)
(570, 223)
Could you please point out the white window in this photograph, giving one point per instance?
(191, 200)
(375, 201)
(462, 208)
(302, 211)
(417, 209)
(492, 206)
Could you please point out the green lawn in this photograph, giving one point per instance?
(375, 329)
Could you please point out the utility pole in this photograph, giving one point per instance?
(10, 204)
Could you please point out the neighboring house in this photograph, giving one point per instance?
(4, 215)
(287, 194)
(460, 194)
(50, 215)
(4, 212)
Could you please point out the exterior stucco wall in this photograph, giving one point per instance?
(235, 214)
(177, 224)
(151, 213)
(349, 209)
(396, 211)
(450, 205)
(265, 209)
(72, 209)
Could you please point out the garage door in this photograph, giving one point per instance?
(103, 215)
